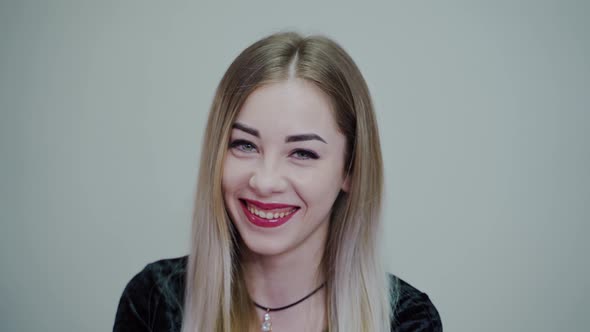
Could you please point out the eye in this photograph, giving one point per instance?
(304, 154)
(243, 145)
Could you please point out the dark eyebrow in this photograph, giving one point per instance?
(303, 137)
(246, 129)
(288, 139)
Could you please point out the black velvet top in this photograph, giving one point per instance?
(153, 299)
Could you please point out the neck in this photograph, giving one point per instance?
(275, 281)
(281, 279)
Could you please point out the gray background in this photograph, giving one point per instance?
(484, 116)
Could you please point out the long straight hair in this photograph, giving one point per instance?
(358, 299)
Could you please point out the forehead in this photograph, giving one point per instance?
(294, 105)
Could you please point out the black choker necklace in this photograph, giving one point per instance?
(266, 324)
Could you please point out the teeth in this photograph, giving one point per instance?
(269, 215)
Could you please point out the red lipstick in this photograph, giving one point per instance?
(264, 222)
(269, 206)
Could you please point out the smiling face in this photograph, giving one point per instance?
(284, 168)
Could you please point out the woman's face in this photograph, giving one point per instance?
(284, 168)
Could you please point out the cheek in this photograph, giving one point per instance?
(320, 190)
(231, 175)
(231, 184)
(236, 174)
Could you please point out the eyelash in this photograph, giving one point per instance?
(308, 154)
(240, 143)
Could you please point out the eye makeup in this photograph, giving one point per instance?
(243, 145)
(303, 154)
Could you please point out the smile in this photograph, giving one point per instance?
(267, 215)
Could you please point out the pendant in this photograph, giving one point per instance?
(266, 324)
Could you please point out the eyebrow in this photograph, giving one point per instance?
(303, 137)
(246, 129)
(288, 139)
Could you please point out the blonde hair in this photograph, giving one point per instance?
(357, 298)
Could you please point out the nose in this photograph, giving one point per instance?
(267, 179)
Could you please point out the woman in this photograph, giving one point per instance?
(287, 208)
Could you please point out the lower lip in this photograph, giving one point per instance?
(268, 223)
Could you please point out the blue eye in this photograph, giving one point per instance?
(304, 154)
(243, 145)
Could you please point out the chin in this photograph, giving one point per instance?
(264, 247)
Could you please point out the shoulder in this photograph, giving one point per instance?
(413, 311)
(164, 277)
(153, 298)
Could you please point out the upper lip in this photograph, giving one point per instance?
(269, 206)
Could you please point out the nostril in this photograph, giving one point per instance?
(266, 184)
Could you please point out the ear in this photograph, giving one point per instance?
(346, 184)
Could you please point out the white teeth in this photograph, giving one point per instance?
(269, 215)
